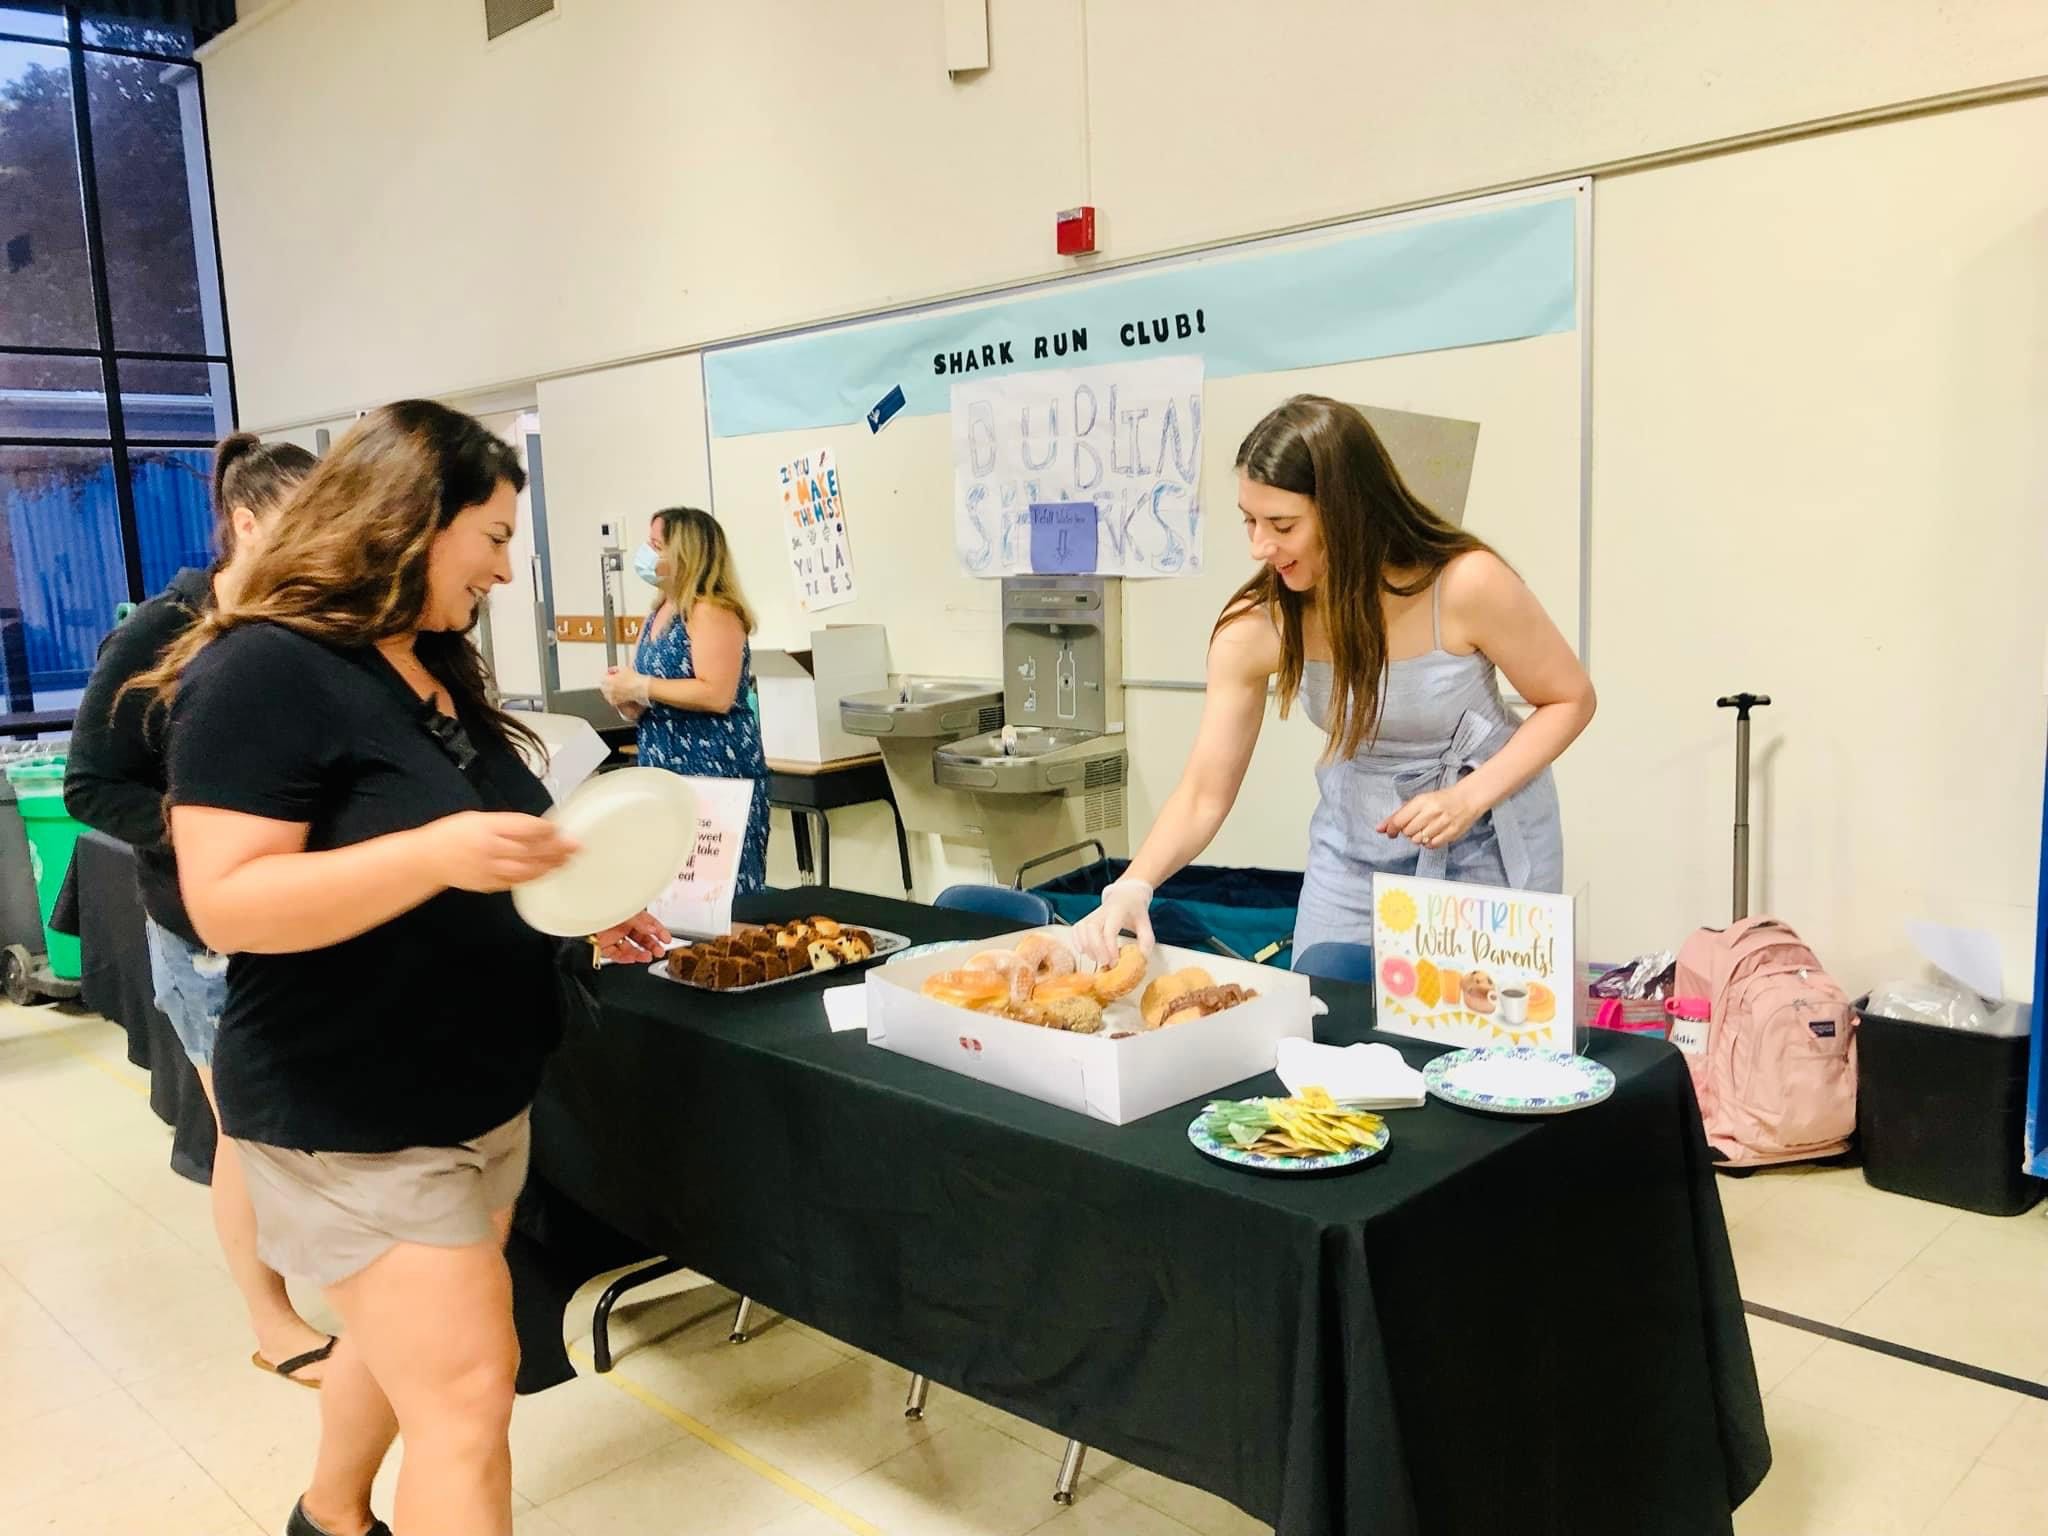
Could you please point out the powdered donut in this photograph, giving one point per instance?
(1045, 956)
(1038, 959)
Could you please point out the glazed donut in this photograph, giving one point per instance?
(1123, 977)
(1073, 984)
(967, 989)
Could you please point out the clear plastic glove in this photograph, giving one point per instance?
(625, 690)
(1126, 908)
(636, 941)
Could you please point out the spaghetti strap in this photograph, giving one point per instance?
(1436, 612)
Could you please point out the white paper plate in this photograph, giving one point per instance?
(1518, 1080)
(636, 827)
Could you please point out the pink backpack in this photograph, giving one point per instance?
(1777, 1078)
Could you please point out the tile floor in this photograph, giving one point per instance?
(126, 1400)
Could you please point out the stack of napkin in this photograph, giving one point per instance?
(1373, 1076)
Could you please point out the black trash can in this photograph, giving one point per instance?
(1941, 1114)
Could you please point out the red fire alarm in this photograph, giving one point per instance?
(1074, 231)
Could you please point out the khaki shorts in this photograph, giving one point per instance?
(323, 1216)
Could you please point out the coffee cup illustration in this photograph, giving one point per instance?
(1514, 1004)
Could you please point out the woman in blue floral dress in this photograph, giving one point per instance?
(693, 672)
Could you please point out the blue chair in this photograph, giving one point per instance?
(1336, 962)
(1027, 909)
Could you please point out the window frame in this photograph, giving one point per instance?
(117, 440)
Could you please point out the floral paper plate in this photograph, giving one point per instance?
(919, 951)
(1517, 1080)
(1259, 1162)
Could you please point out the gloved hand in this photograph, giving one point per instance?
(1125, 908)
(624, 689)
(636, 941)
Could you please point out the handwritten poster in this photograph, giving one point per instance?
(698, 902)
(1126, 437)
(1473, 964)
(814, 530)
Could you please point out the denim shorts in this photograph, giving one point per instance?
(191, 989)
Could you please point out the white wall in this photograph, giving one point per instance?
(405, 208)
(617, 445)
(1819, 472)
(1818, 369)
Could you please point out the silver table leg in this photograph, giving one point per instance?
(739, 1333)
(920, 1389)
(1070, 1472)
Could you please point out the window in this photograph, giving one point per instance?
(115, 378)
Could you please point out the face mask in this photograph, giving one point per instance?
(647, 564)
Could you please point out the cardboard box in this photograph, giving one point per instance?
(1114, 1080)
(800, 692)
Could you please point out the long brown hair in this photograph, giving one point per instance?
(347, 563)
(248, 472)
(1371, 523)
(700, 564)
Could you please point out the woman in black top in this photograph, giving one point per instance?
(348, 810)
(114, 781)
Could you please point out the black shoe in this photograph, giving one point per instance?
(301, 1524)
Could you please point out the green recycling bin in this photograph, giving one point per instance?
(52, 836)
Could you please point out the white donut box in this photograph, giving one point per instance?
(1114, 1080)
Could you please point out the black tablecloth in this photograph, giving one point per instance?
(115, 983)
(1500, 1325)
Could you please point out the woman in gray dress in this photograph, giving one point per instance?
(1390, 625)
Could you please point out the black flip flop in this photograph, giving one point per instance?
(301, 1524)
(288, 1369)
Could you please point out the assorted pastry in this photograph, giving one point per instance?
(1042, 982)
(753, 956)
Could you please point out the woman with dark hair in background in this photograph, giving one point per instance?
(349, 809)
(690, 678)
(1393, 625)
(114, 782)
